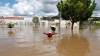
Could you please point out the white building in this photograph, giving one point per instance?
(63, 23)
(19, 21)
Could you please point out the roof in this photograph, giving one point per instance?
(1, 17)
(14, 18)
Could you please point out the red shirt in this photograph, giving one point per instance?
(49, 34)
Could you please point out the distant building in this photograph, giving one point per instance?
(28, 21)
(16, 20)
(1, 20)
(1, 17)
(63, 23)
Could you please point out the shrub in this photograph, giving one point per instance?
(10, 25)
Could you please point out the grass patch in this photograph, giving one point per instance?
(96, 23)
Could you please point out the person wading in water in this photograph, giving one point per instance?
(49, 35)
(53, 28)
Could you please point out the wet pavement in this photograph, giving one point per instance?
(30, 41)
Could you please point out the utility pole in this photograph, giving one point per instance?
(60, 15)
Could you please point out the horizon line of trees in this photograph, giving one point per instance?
(50, 17)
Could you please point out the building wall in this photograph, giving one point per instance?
(28, 21)
(63, 23)
(44, 23)
(25, 21)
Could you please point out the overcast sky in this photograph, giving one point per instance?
(31, 7)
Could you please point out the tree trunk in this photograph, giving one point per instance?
(72, 25)
(72, 32)
(35, 24)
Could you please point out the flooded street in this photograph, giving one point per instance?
(30, 41)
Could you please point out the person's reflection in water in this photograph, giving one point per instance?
(49, 39)
(73, 46)
(10, 33)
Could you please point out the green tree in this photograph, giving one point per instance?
(10, 25)
(44, 18)
(56, 17)
(35, 20)
(76, 10)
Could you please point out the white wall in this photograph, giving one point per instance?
(63, 23)
(44, 23)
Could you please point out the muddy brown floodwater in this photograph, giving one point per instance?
(30, 41)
